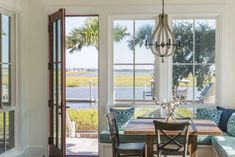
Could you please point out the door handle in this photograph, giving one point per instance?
(62, 107)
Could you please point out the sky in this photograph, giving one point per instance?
(88, 57)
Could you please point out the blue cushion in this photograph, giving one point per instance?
(124, 115)
(211, 114)
(105, 138)
(231, 125)
(224, 145)
(224, 117)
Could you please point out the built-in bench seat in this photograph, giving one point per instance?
(105, 138)
(224, 145)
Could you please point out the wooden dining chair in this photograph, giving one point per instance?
(172, 131)
(122, 149)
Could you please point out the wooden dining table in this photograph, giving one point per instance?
(198, 127)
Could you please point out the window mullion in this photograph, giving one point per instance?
(1, 104)
(4, 132)
(194, 48)
(134, 62)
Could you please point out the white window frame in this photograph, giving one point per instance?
(215, 16)
(156, 62)
(163, 79)
(14, 88)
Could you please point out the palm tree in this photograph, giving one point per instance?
(143, 33)
(88, 35)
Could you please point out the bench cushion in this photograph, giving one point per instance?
(104, 138)
(224, 145)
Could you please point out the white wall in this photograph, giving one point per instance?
(34, 52)
(20, 7)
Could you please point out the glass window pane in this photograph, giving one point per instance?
(54, 126)
(183, 82)
(54, 83)
(59, 40)
(143, 29)
(10, 130)
(5, 38)
(184, 112)
(122, 46)
(2, 145)
(6, 84)
(123, 82)
(205, 41)
(183, 30)
(144, 82)
(205, 90)
(59, 82)
(54, 42)
(147, 112)
(6, 131)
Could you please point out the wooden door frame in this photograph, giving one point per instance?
(59, 15)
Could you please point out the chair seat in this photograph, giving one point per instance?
(131, 147)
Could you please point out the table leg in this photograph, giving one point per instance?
(149, 146)
(193, 146)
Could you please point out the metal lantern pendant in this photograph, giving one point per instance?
(163, 42)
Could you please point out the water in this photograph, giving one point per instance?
(120, 93)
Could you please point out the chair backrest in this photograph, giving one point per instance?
(113, 129)
(179, 129)
(206, 89)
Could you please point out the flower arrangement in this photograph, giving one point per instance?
(170, 108)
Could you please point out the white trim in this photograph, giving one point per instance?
(161, 68)
(218, 58)
(15, 97)
(131, 17)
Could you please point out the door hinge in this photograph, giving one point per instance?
(50, 103)
(50, 66)
(50, 140)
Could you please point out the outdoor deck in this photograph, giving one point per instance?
(82, 146)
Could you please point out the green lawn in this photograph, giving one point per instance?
(121, 81)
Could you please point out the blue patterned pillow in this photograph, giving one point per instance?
(124, 116)
(231, 125)
(211, 114)
(226, 114)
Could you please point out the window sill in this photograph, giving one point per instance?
(7, 108)
(13, 152)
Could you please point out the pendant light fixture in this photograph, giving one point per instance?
(163, 42)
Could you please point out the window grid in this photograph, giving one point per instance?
(194, 63)
(134, 100)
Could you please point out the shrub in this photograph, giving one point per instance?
(86, 119)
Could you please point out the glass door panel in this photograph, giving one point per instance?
(56, 66)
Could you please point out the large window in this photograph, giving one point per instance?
(137, 74)
(194, 73)
(7, 85)
(134, 71)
